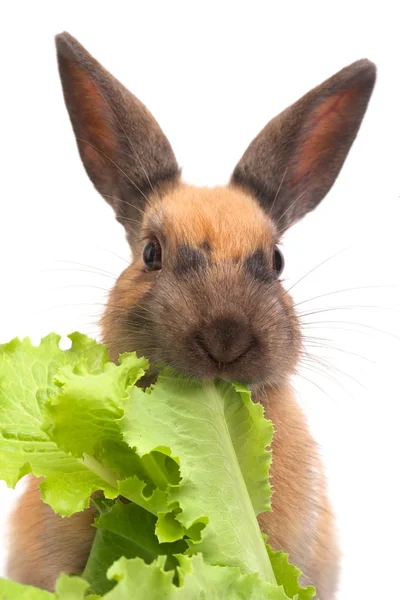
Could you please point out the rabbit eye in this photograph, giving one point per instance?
(152, 255)
(278, 262)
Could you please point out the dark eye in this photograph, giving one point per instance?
(152, 256)
(279, 262)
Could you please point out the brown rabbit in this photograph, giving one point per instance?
(203, 292)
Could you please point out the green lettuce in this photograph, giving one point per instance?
(181, 467)
(135, 580)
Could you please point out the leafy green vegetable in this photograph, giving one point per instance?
(125, 530)
(288, 575)
(67, 588)
(212, 441)
(26, 383)
(190, 458)
(138, 581)
(198, 581)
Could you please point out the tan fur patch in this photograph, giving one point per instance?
(193, 215)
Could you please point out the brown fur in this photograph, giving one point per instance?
(44, 544)
(297, 476)
(216, 307)
(187, 215)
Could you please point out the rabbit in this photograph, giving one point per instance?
(203, 292)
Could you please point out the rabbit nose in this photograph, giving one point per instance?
(225, 339)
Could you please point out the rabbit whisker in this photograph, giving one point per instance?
(278, 190)
(353, 289)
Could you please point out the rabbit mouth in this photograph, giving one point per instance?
(245, 361)
(224, 355)
(224, 370)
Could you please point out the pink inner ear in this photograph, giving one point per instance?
(323, 132)
(94, 117)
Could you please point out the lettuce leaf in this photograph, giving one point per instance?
(27, 382)
(201, 446)
(67, 588)
(190, 457)
(287, 575)
(125, 530)
(197, 581)
(213, 440)
(135, 580)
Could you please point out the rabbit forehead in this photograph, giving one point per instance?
(222, 220)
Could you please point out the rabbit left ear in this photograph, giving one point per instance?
(122, 147)
(301, 151)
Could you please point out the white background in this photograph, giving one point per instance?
(213, 74)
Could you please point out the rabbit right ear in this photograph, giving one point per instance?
(123, 149)
(292, 164)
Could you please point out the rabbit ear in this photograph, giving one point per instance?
(292, 164)
(123, 149)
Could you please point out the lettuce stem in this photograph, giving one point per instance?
(263, 566)
(96, 467)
